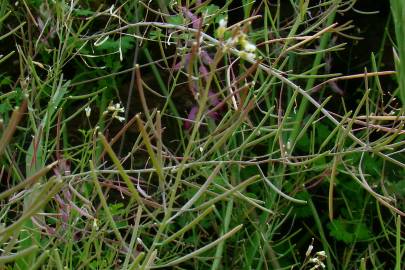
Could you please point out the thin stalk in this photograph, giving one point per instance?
(21, 254)
(398, 244)
(304, 102)
(188, 226)
(15, 119)
(104, 203)
(121, 171)
(40, 261)
(29, 181)
(220, 248)
(200, 250)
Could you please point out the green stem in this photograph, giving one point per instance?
(310, 83)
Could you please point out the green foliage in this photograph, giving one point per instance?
(349, 231)
(5, 81)
(134, 149)
(122, 43)
(302, 211)
(209, 10)
(176, 20)
(398, 13)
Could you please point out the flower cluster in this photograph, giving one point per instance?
(316, 260)
(231, 38)
(115, 109)
(248, 49)
(238, 39)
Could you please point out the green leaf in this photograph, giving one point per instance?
(399, 188)
(5, 81)
(110, 45)
(176, 19)
(121, 224)
(155, 34)
(116, 209)
(209, 10)
(347, 231)
(338, 231)
(5, 108)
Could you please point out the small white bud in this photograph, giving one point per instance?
(95, 224)
(88, 111)
(222, 28)
(289, 145)
(223, 22)
(309, 250)
(111, 108)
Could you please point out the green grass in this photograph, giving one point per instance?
(160, 135)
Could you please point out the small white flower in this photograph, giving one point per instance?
(247, 56)
(249, 47)
(223, 22)
(321, 254)
(222, 28)
(120, 118)
(88, 111)
(95, 224)
(111, 108)
(115, 109)
(118, 107)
